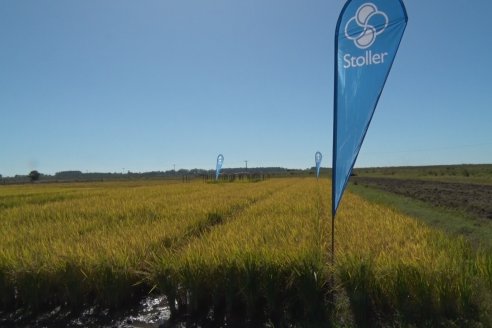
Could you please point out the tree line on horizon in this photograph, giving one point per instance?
(74, 175)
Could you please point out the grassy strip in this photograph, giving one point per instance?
(477, 230)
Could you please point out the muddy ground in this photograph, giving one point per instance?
(472, 199)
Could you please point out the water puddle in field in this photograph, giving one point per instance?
(152, 312)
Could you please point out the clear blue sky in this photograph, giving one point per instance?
(141, 85)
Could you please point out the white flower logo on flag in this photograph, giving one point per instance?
(366, 25)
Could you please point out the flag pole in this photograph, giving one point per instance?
(332, 239)
(333, 271)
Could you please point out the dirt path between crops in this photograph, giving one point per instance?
(473, 199)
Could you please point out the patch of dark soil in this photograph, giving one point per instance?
(473, 199)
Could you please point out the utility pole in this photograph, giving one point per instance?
(246, 164)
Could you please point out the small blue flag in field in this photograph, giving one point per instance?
(218, 167)
(367, 38)
(318, 157)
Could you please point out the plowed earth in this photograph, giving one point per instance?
(472, 199)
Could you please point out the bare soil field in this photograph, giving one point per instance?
(473, 199)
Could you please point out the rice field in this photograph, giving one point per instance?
(235, 252)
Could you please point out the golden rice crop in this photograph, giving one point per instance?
(258, 250)
(392, 265)
(268, 259)
(93, 243)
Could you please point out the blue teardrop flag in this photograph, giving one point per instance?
(367, 38)
(218, 166)
(317, 158)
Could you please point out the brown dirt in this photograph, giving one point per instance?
(473, 199)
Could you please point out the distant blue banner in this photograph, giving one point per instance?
(317, 158)
(367, 38)
(218, 167)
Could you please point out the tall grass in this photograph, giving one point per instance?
(253, 252)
